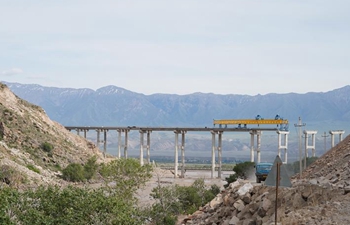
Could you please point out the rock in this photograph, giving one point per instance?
(234, 220)
(249, 222)
(245, 188)
(313, 181)
(239, 205)
(246, 198)
(347, 190)
(235, 184)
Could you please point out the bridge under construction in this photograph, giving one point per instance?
(216, 132)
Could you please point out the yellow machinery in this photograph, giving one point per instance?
(242, 123)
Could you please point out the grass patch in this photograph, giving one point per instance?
(33, 168)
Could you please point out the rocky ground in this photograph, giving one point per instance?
(321, 196)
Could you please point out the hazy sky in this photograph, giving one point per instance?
(177, 46)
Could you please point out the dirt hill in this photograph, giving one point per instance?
(33, 148)
(321, 196)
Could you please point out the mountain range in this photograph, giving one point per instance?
(115, 106)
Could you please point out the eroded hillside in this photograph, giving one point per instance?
(34, 148)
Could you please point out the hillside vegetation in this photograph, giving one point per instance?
(34, 148)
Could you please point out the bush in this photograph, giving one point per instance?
(33, 168)
(70, 205)
(73, 172)
(90, 168)
(175, 200)
(46, 147)
(127, 175)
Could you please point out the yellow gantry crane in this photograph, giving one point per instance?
(242, 123)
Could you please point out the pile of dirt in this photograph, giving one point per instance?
(332, 167)
(320, 196)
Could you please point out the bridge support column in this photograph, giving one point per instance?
(258, 136)
(141, 147)
(98, 138)
(85, 131)
(183, 154)
(252, 133)
(104, 142)
(176, 162)
(213, 154)
(120, 144)
(258, 145)
(219, 153)
(126, 144)
(78, 131)
(333, 132)
(307, 146)
(219, 149)
(149, 146)
(284, 144)
(183, 132)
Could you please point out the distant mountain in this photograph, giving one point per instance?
(115, 106)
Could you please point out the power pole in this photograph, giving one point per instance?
(299, 125)
(325, 141)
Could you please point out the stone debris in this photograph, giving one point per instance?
(320, 197)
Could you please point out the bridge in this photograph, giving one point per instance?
(216, 147)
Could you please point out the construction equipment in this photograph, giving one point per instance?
(242, 123)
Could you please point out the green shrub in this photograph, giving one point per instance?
(175, 200)
(33, 168)
(46, 147)
(90, 168)
(127, 175)
(70, 205)
(74, 172)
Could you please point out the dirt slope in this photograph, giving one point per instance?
(24, 130)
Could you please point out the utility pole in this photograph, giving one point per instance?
(299, 125)
(325, 141)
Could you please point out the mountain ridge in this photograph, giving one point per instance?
(112, 105)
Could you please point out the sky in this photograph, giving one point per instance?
(177, 47)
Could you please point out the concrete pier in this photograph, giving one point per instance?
(217, 148)
(143, 146)
(122, 145)
(182, 147)
(283, 145)
(307, 146)
(252, 145)
(335, 132)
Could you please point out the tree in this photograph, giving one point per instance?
(174, 200)
(125, 176)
